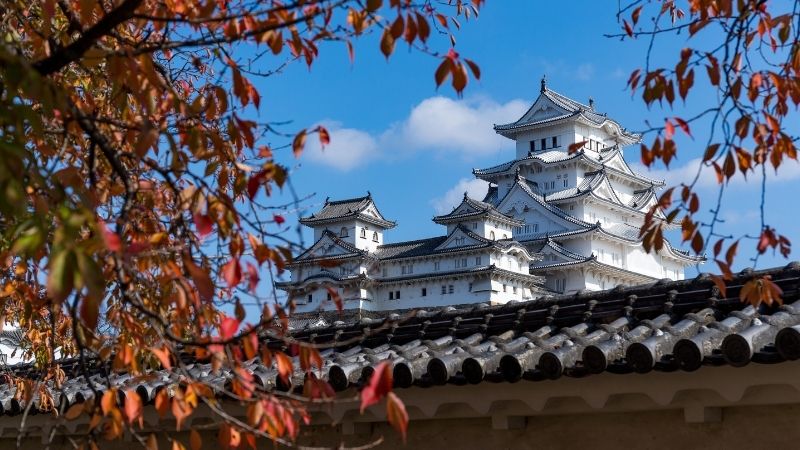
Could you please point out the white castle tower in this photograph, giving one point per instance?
(476, 261)
(581, 211)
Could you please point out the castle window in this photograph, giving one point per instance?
(491, 235)
(470, 287)
(329, 296)
(450, 289)
(474, 225)
(555, 141)
(374, 236)
(383, 271)
(310, 298)
(477, 260)
(343, 232)
(544, 143)
(391, 295)
(436, 265)
(504, 287)
(397, 295)
(514, 289)
(363, 233)
(424, 292)
(533, 146)
(444, 289)
(566, 182)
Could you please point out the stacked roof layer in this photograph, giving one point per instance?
(662, 326)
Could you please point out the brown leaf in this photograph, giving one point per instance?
(396, 414)
(387, 43)
(299, 143)
(205, 287)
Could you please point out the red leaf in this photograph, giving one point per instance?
(379, 385)
(110, 238)
(228, 327)
(232, 272)
(278, 219)
(452, 54)
(204, 224)
(252, 277)
(254, 182)
(396, 414)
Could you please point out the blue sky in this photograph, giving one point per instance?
(413, 146)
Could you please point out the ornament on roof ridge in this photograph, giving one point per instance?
(544, 83)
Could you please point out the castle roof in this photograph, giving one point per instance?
(361, 208)
(551, 107)
(595, 160)
(470, 208)
(662, 326)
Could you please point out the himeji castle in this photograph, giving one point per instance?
(552, 222)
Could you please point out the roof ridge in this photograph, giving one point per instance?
(396, 244)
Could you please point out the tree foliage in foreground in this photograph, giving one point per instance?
(746, 54)
(135, 213)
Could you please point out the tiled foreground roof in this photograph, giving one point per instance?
(663, 326)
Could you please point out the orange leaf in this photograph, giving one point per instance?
(324, 136)
(396, 414)
(387, 43)
(284, 366)
(109, 401)
(299, 143)
(163, 356)
(576, 146)
(195, 441)
(133, 407)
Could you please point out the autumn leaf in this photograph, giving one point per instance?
(203, 224)
(202, 280)
(378, 386)
(324, 136)
(133, 407)
(232, 272)
(284, 366)
(299, 143)
(396, 414)
(228, 327)
(111, 239)
(163, 355)
(252, 277)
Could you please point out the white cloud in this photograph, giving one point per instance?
(437, 124)
(459, 126)
(348, 148)
(788, 171)
(584, 72)
(474, 187)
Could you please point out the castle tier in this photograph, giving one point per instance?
(553, 221)
(582, 210)
(476, 261)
